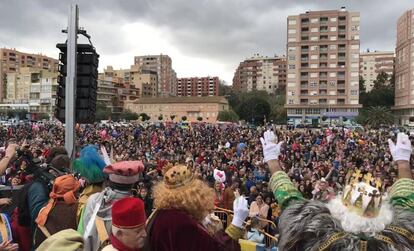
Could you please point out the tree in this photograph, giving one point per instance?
(362, 87)
(382, 94)
(382, 80)
(144, 117)
(224, 89)
(128, 115)
(184, 118)
(228, 116)
(254, 109)
(160, 117)
(172, 117)
(376, 116)
(200, 118)
(42, 116)
(102, 112)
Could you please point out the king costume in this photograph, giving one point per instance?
(182, 220)
(362, 218)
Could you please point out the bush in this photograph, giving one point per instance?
(184, 118)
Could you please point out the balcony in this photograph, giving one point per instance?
(302, 102)
(305, 77)
(341, 58)
(304, 59)
(341, 75)
(304, 50)
(323, 75)
(341, 48)
(305, 38)
(341, 86)
(340, 102)
(323, 86)
(323, 93)
(303, 86)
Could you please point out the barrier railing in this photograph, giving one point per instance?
(226, 216)
(270, 240)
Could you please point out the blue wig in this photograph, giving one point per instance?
(90, 164)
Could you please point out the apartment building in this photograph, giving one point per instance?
(12, 60)
(322, 66)
(260, 73)
(107, 94)
(404, 69)
(166, 76)
(31, 89)
(372, 63)
(123, 91)
(198, 87)
(144, 82)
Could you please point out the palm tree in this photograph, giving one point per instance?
(378, 115)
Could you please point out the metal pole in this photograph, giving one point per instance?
(70, 89)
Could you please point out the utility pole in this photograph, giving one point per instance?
(70, 89)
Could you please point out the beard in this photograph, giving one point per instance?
(354, 223)
(307, 225)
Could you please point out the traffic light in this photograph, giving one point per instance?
(86, 83)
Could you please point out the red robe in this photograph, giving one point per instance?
(175, 230)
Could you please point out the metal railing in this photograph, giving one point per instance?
(226, 216)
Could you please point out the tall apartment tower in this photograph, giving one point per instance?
(323, 66)
(162, 64)
(373, 63)
(260, 73)
(12, 60)
(404, 68)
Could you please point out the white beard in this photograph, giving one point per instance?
(354, 223)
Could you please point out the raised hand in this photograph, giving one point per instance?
(402, 149)
(241, 211)
(271, 148)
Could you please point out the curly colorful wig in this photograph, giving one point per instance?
(196, 198)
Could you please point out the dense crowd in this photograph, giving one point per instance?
(317, 161)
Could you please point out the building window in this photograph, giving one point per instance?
(291, 66)
(292, 21)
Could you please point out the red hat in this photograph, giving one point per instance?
(128, 213)
(124, 172)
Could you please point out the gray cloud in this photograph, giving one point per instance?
(225, 31)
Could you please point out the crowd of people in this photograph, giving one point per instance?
(227, 157)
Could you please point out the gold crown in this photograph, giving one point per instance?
(363, 194)
(177, 176)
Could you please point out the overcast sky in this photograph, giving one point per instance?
(203, 37)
